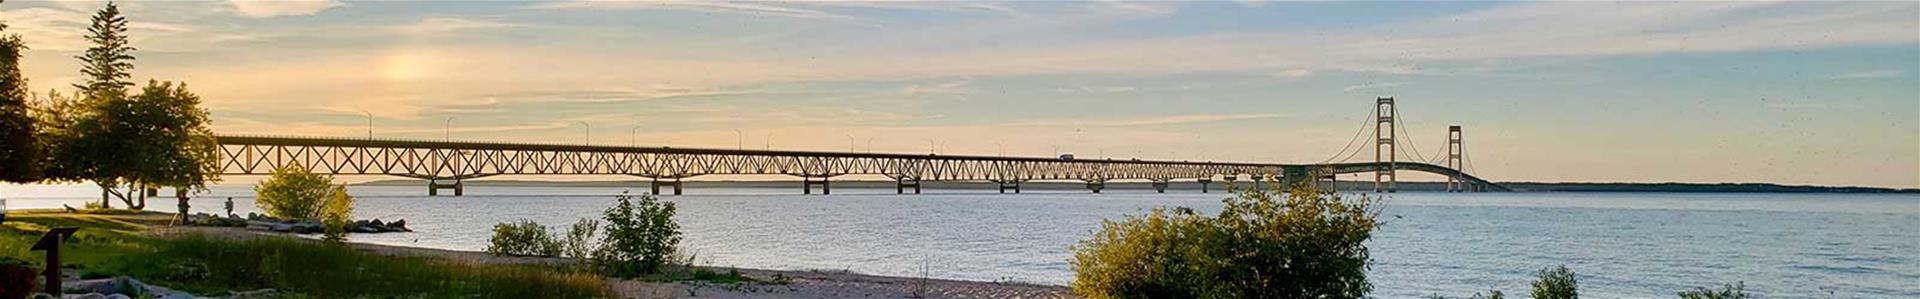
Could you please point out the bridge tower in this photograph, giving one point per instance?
(1455, 146)
(1385, 151)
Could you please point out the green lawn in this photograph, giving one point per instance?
(113, 245)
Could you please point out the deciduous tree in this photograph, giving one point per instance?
(20, 151)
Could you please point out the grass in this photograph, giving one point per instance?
(113, 245)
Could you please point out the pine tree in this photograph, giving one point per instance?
(19, 149)
(107, 63)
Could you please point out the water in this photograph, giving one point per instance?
(1622, 245)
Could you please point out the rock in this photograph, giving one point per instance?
(42, 296)
(399, 225)
(85, 296)
(118, 296)
(260, 293)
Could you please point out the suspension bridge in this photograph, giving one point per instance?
(446, 165)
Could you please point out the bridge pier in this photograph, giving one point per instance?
(806, 185)
(1096, 186)
(434, 186)
(1004, 185)
(1204, 183)
(900, 185)
(657, 183)
(1160, 186)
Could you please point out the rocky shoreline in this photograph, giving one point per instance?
(255, 221)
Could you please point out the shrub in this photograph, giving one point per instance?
(16, 278)
(640, 238)
(578, 243)
(336, 214)
(1556, 283)
(293, 193)
(1731, 291)
(523, 237)
(1263, 244)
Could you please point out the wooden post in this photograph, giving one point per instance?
(50, 242)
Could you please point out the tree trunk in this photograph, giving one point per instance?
(181, 193)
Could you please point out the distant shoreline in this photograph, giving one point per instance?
(1216, 186)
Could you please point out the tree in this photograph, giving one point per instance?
(20, 150)
(293, 192)
(107, 63)
(639, 238)
(336, 213)
(1556, 283)
(522, 238)
(1283, 243)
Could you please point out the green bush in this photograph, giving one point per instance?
(1731, 291)
(16, 278)
(1263, 244)
(523, 237)
(293, 192)
(640, 238)
(1556, 283)
(335, 214)
(578, 244)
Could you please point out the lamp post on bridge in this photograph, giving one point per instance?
(635, 135)
(448, 134)
(369, 123)
(589, 132)
(739, 140)
(851, 144)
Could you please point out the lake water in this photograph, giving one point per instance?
(1623, 245)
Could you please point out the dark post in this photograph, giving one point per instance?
(50, 242)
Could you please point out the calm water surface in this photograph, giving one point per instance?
(1622, 245)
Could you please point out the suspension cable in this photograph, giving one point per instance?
(1401, 126)
(1356, 138)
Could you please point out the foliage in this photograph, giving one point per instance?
(336, 214)
(1263, 244)
(157, 138)
(577, 243)
(293, 192)
(523, 237)
(1731, 291)
(20, 151)
(640, 238)
(1556, 283)
(106, 64)
(16, 278)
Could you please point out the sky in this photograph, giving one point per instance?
(1785, 92)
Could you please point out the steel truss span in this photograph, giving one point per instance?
(439, 160)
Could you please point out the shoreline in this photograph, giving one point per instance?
(801, 284)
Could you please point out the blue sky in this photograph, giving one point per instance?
(1799, 93)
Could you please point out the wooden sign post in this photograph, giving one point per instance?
(50, 242)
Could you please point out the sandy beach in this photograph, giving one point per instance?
(799, 284)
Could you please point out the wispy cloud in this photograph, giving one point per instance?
(441, 25)
(1144, 121)
(1873, 74)
(281, 8)
(747, 8)
(1352, 88)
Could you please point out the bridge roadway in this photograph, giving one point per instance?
(446, 164)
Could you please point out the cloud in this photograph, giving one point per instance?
(281, 8)
(1353, 88)
(439, 25)
(949, 88)
(1873, 74)
(747, 8)
(1145, 121)
(1292, 73)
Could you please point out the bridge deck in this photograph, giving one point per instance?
(243, 155)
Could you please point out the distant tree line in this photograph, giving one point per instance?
(103, 131)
